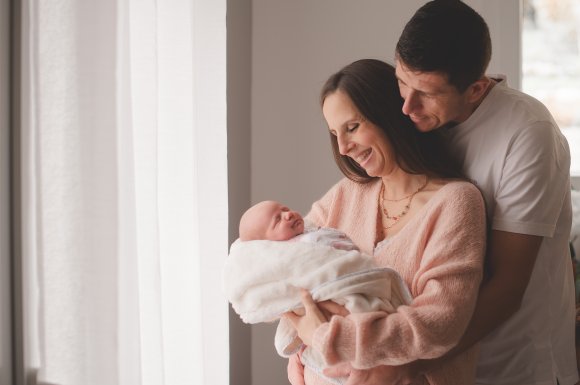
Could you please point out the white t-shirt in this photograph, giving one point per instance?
(516, 154)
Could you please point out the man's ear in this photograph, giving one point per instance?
(478, 89)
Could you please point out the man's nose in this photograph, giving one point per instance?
(411, 103)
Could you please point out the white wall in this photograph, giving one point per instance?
(5, 268)
(278, 143)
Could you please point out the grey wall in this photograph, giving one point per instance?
(280, 150)
(576, 186)
(5, 310)
(239, 27)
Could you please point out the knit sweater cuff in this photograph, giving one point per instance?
(319, 339)
(323, 341)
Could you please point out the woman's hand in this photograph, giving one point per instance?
(296, 369)
(395, 375)
(306, 324)
(330, 308)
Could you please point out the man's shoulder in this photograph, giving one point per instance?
(516, 103)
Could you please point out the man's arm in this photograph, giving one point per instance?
(510, 262)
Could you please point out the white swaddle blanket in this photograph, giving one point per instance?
(262, 280)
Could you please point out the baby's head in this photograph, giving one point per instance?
(272, 221)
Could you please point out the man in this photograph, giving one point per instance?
(515, 153)
(513, 150)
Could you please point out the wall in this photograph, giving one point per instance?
(576, 241)
(5, 267)
(296, 45)
(239, 27)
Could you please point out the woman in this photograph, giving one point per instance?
(404, 202)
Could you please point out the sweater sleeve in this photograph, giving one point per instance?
(445, 286)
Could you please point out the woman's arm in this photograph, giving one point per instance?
(445, 288)
(511, 260)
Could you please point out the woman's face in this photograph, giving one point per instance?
(358, 138)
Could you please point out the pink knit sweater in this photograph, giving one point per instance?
(439, 253)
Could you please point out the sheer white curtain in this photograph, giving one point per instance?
(124, 214)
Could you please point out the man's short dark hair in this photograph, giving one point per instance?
(449, 37)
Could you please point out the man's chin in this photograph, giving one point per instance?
(425, 126)
(450, 125)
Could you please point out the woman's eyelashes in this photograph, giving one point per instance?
(352, 127)
(349, 128)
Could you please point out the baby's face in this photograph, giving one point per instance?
(277, 222)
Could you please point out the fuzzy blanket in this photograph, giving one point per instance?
(262, 280)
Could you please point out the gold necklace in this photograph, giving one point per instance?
(396, 200)
(396, 218)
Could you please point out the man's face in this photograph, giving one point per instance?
(430, 101)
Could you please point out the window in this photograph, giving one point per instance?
(121, 226)
(551, 64)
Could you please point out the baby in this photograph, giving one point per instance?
(277, 254)
(271, 220)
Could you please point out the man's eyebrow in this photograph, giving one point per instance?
(434, 92)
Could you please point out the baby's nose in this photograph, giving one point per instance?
(288, 215)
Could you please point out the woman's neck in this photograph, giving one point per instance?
(400, 185)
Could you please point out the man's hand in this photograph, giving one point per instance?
(395, 375)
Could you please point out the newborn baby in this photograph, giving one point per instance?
(277, 254)
(271, 220)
